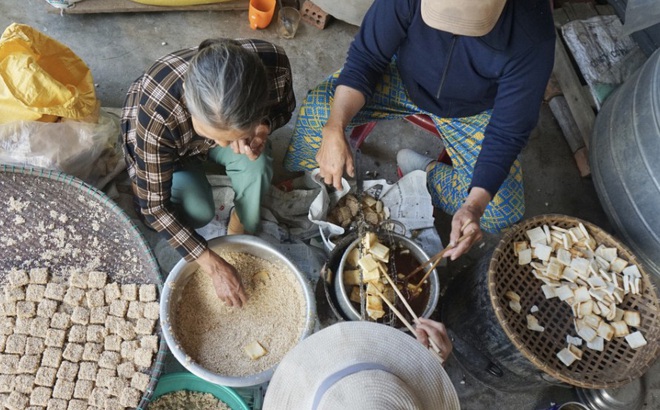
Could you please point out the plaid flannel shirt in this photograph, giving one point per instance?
(157, 134)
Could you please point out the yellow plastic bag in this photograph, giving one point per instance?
(42, 79)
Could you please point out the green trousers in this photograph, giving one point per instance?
(250, 180)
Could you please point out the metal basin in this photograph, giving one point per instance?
(628, 397)
(181, 274)
(343, 297)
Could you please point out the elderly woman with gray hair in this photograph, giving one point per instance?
(217, 102)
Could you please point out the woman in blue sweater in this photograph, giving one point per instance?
(478, 68)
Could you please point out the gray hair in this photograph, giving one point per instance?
(226, 85)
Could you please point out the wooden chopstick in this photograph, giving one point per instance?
(393, 309)
(441, 254)
(405, 302)
(437, 259)
(405, 322)
(421, 266)
(438, 255)
(428, 272)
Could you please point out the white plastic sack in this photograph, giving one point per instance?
(408, 200)
(606, 57)
(85, 150)
(351, 12)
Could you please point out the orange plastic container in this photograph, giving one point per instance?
(261, 13)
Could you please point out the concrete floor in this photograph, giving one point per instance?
(118, 47)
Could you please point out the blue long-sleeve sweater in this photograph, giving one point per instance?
(458, 76)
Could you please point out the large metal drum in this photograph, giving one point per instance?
(480, 343)
(625, 161)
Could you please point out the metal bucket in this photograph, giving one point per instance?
(624, 151)
(341, 293)
(480, 343)
(181, 274)
(628, 397)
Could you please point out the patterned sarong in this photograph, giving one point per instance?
(462, 138)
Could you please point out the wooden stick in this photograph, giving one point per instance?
(439, 258)
(398, 292)
(428, 272)
(435, 349)
(405, 302)
(422, 265)
(441, 254)
(393, 309)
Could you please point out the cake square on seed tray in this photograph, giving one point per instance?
(67, 371)
(97, 280)
(52, 357)
(40, 396)
(74, 296)
(57, 404)
(47, 308)
(39, 276)
(148, 292)
(88, 371)
(22, 326)
(39, 326)
(34, 345)
(129, 291)
(18, 278)
(24, 383)
(95, 298)
(104, 376)
(34, 292)
(112, 292)
(63, 389)
(98, 315)
(55, 291)
(78, 334)
(78, 279)
(45, 376)
(140, 381)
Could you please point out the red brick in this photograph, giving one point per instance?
(314, 15)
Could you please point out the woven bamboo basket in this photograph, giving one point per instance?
(617, 364)
(84, 229)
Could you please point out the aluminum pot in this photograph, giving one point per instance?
(181, 274)
(342, 295)
(627, 397)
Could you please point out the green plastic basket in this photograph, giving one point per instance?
(187, 381)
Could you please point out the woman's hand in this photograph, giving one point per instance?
(253, 145)
(427, 329)
(466, 223)
(225, 279)
(334, 156)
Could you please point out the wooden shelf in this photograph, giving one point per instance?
(127, 6)
(577, 115)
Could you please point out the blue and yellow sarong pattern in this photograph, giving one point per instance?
(462, 138)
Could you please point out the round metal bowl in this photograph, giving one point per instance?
(630, 396)
(342, 295)
(181, 274)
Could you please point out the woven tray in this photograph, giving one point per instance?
(618, 364)
(68, 223)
